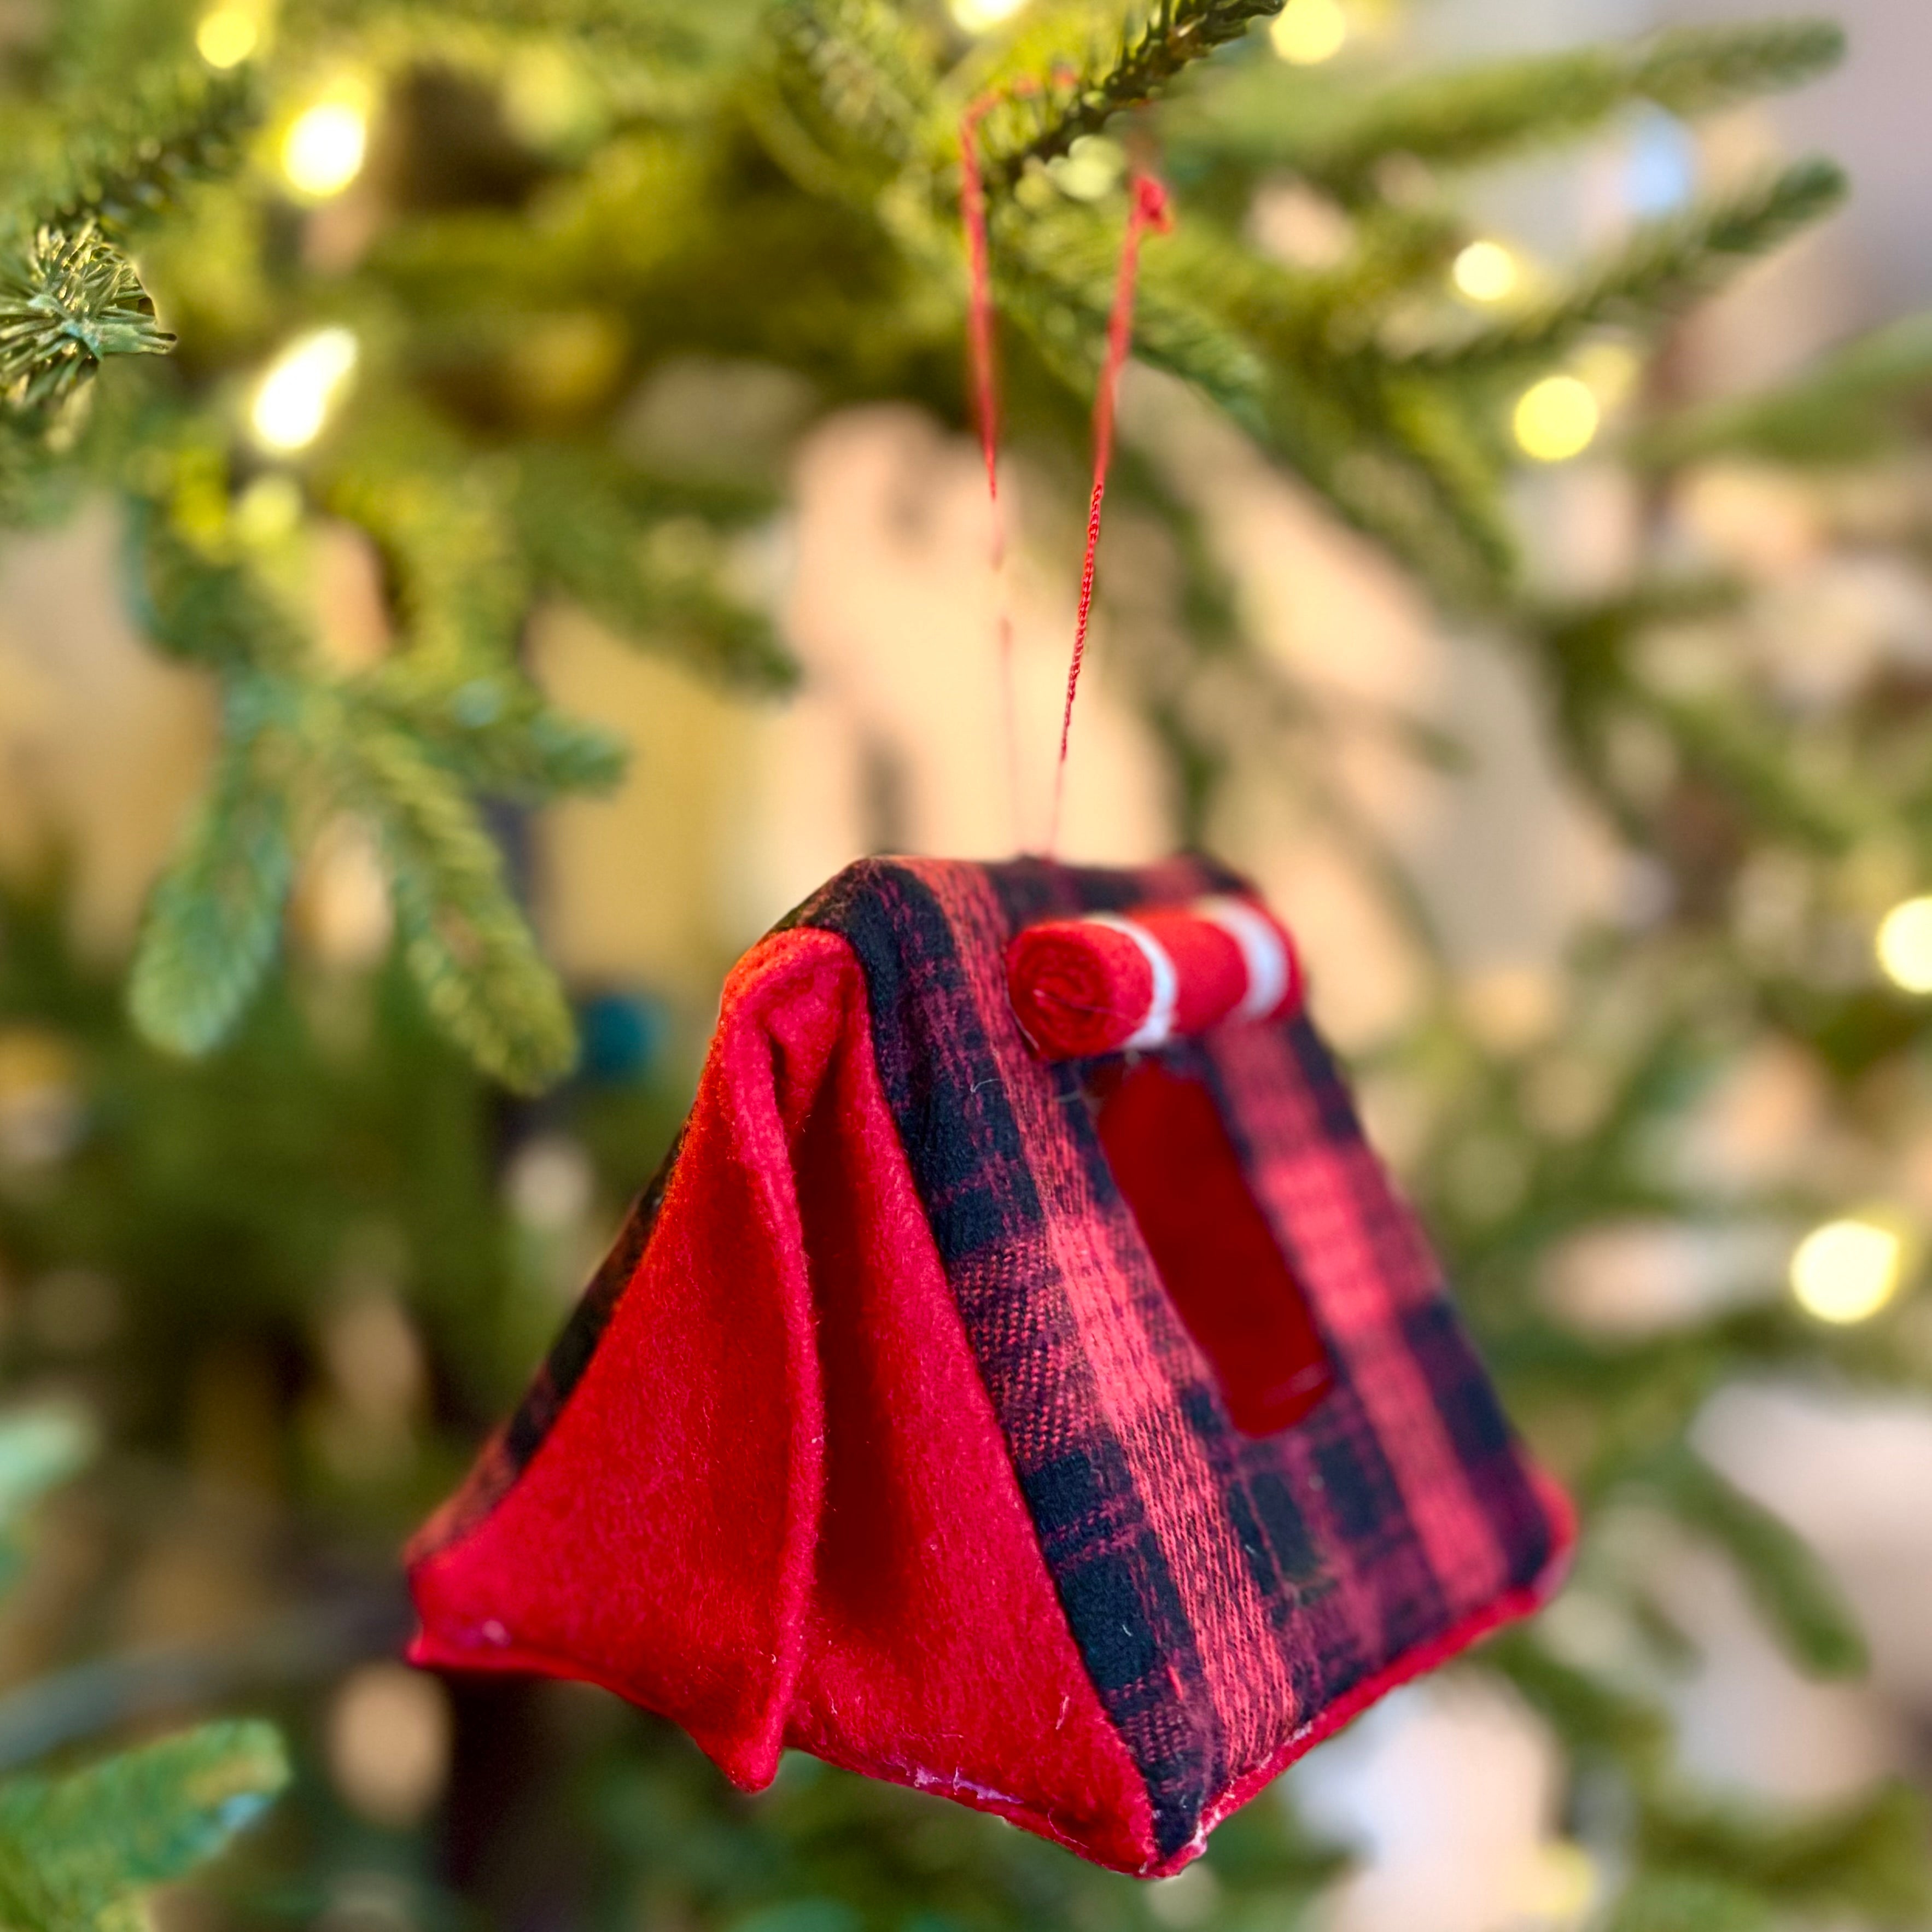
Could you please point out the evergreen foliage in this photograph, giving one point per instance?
(776, 184)
(70, 300)
(1340, 138)
(572, 205)
(79, 1851)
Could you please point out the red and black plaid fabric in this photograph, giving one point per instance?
(1222, 1590)
(1232, 1597)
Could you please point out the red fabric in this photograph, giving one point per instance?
(1078, 987)
(1082, 987)
(777, 1508)
(1219, 1261)
(1507, 1609)
(894, 1426)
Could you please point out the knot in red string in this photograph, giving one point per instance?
(1152, 206)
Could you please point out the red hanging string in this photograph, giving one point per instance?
(986, 398)
(1148, 207)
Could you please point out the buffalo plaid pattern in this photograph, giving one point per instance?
(1231, 1596)
(1225, 1591)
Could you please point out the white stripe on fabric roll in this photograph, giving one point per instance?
(1157, 1027)
(1261, 949)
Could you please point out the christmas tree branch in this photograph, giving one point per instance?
(120, 163)
(70, 297)
(1864, 1856)
(1852, 404)
(214, 922)
(629, 554)
(1793, 1591)
(1660, 270)
(494, 731)
(470, 950)
(457, 588)
(210, 609)
(1075, 87)
(1488, 113)
(854, 75)
(76, 1851)
(68, 301)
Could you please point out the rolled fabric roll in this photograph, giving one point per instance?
(1110, 982)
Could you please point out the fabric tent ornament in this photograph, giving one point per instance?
(1080, 1439)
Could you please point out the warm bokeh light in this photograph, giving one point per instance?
(1485, 272)
(1556, 417)
(293, 399)
(388, 1742)
(323, 151)
(1556, 1884)
(1310, 32)
(1611, 370)
(1846, 1271)
(1904, 945)
(226, 36)
(976, 16)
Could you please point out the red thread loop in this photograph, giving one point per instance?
(986, 400)
(979, 298)
(1148, 207)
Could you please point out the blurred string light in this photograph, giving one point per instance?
(294, 397)
(324, 149)
(976, 16)
(1556, 418)
(1904, 946)
(1611, 370)
(226, 35)
(1846, 1271)
(1307, 32)
(1486, 271)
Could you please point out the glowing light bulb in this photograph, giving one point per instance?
(1846, 1271)
(323, 151)
(1904, 946)
(293, 399)
(226, 36)
(1485, 272)
(976, 16)
(1307, 32)
(1556, 418)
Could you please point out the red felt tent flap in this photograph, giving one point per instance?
(661, 1540)
(776, 1506)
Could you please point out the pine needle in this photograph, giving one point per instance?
(75, 1851)
(214, 921)
(69, 301)
(471, 951)
(1099, 74)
